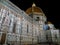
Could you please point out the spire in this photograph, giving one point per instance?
(33, 5)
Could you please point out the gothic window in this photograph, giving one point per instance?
(35, 31)
(27, 28)
(37, 18)
(10, 23)
(31, 15)
(0, 18)
(55, 36)
(3, 20)
(47, 37)
(14, 26)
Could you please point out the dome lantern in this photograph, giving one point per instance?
(33, 5)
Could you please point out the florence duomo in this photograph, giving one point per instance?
(30, 27)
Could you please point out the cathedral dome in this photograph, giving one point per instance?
(34, 9)
(49, 22)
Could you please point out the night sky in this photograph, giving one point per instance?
(43, 4)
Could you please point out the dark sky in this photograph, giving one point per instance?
(43, 4)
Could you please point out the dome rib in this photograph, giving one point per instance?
(35, 9)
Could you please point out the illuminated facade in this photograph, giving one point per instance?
(23, 28)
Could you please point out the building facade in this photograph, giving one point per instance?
(23, 28)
